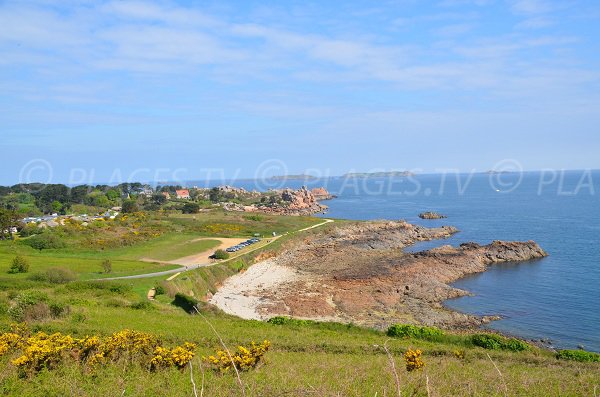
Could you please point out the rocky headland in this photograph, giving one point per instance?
(360, 273)
(285, 202)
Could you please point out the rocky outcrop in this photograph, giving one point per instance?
(293, 202)
(282, 202)
(321, 194)
(431, 215)
(360, 273)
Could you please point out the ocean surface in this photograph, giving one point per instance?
(556, 298)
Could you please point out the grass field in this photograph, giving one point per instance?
(165, 248)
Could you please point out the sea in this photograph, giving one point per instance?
(556, 298)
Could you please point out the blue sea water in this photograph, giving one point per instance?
(557, 297)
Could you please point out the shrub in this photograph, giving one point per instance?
(254, 217)
(58, 309)
(129, 206)
(26, 300)
(221, 254)
(115, 287)
(413, 360)
(498, 342)
(159, 290)
(415, 332)
(106, 266)
(141, 305)
(41, 350)
(45, 241)
(42, 277)
(185, 302)
(19, 265)
(190, 208)
(280, 320)
(244, 359)
(60, 275)
(578, 355)
(29, 230)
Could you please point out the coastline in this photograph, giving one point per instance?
(360, 273)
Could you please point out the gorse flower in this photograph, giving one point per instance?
(47, 351)
(244, 359)
(413, 360)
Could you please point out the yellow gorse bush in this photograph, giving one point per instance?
(179, 356)
(47, 351)
(245, 358)
(413, 360)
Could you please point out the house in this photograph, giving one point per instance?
(183, 194)
(167, 195)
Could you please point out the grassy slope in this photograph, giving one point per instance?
(322, 359)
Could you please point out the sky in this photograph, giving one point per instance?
(113, 91)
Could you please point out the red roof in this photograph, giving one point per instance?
(183, 193)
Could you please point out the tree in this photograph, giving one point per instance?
(190, 208)
(106, 266)
(158, 199)
(129, 206)
(8, 218)
(221, 254)
(113, 194)
(19, 265)
(56, 206)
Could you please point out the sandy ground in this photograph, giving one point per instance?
(241, 294)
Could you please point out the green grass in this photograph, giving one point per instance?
(305, 359)
(85, 268)
(165, 248)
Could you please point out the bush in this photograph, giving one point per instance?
(221, 254)
(129, 206)
(254, 217)
(115, 287)
(159, 290)
(190, 208)
(59, 309)
(19, 265)
(28, 304)
(29, 230)
(280, 320)
(185, 302)
(106, 266)
(60, 275)
(141, 305)
(415, 332)
(578, 355)
(498, 342)
(45, 241)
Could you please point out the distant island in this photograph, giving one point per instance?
(384, 174)
(292, 177)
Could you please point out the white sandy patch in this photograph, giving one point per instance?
(242, 294)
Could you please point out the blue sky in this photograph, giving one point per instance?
(102, 90)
